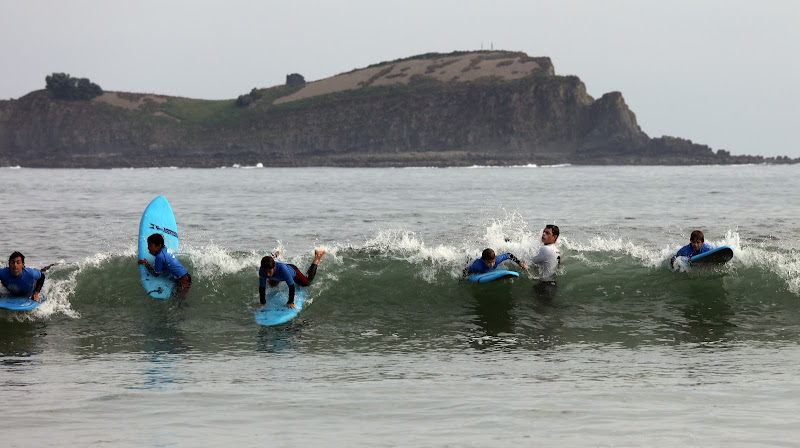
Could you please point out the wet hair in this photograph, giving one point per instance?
(488, 254)
(697, 235)
(16, 254)
(156, 238)
(267, 264)
(554, 229)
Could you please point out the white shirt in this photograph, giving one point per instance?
(547, 260)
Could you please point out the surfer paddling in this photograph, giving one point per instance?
(21, 281)
(274, 272)
(489, 262)
(166, 262)
(697, 245)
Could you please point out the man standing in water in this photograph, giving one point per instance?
(547, 260)
(275, 272)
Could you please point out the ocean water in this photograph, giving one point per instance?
(393, 349)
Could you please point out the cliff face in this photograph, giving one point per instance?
(40, 131)
(436, 110)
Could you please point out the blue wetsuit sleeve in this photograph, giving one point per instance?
(674, 257)
(5, 273)
(262, 279)
(158, 264)
(287, 275)
(473, 268)
(684, 251)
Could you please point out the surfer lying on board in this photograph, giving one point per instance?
(275, 272)
(488, 262)
(21, 281)
(166, 262)
(696, 246)
(547, 259)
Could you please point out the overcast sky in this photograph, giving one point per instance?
(723, 73)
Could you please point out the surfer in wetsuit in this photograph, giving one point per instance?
(21, 281)
(696, 246)
(166, 262)
(274, 272)
(489, 262)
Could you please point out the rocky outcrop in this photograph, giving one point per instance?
(495, 108)
(295, 79)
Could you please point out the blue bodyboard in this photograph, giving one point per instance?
(20, 303)
(719, 255)
(157, 218)
(497, 274)
(275, 311)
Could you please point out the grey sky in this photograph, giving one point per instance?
(719, 72)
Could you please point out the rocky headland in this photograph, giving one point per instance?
(458, 109)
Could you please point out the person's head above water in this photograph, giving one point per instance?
(16, 262)
(696, 239)
(267, 265)
(550, 234)
(488, 257)
(154, 243)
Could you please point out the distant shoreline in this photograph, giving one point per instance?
(392, 167)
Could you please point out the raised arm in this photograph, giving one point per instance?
(516, 260)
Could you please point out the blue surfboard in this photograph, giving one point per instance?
(157, 218)
(490, 276)
(718, 255)
(20, 303)
(275, 311)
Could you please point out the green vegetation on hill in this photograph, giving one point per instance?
(248, 98)
(207, 113)
(65, 87)
(214, 113)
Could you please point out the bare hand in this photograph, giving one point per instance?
(291, 305)
(522, 265)
(35, 296)
(144, 262)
